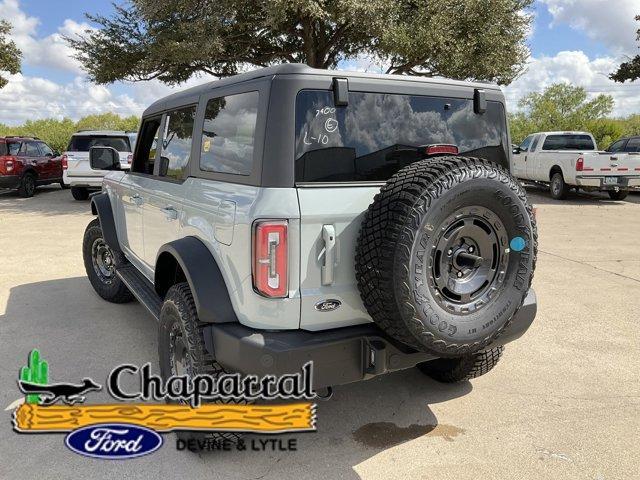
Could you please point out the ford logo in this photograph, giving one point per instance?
(113, 441)
(328, 305)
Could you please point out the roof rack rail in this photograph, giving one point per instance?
(22, 136)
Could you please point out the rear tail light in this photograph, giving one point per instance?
(270, 258)
(8, 166)
(580, 164)
(130, 158)
(441, 149)
(65, 164)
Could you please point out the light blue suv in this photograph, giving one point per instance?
(365, 222)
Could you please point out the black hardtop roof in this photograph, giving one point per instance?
(300, 69)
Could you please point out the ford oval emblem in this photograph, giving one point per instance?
(328, 305)
(113, 441)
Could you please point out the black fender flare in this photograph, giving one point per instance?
(203, 275)
(101, 206)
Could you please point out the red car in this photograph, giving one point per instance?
(26, 162)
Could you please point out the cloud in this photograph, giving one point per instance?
(51, 51)
(576, 68)
(611, 23)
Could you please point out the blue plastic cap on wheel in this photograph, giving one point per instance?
(517, 244)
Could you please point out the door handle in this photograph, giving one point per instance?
(329, 238)
(136, 198)
(170, 212)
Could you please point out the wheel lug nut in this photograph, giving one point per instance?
(459, 274)
(450, 251)
(471, 249)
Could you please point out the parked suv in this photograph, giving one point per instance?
(77, 172)
(365, 222)
(26, 162)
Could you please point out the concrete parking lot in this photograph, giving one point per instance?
(563, 403)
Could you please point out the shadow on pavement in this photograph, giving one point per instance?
(81, 335)
(49, 200)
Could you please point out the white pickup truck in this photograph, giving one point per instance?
(570, 159)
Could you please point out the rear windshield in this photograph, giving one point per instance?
(82, 143)
(568, 142)
(377, 134)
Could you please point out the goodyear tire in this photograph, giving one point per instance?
(100, 263)
(446, 254)
(182, 350)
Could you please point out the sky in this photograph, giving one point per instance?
(574, 41)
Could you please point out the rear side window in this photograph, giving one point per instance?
(176, 143)
(534, 145)
(633, 145)
(568, 142)
(228, 134)
(378, 134)
(82, 143)
(29, 149)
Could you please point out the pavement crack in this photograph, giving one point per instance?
(580, 262)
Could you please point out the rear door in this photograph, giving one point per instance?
(31, 156)
(164, 191)
(343, 156)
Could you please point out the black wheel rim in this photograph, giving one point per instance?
(29, 185)
(179, 358)
(103, 261)
(468, 260)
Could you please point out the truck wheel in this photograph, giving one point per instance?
(446, 254)
(80, 193)
(27, 185)
(451, 370)
(558, 188)
(182, 349)
(100, 263)
(619, 195)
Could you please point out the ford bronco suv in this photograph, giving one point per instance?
(365, 222)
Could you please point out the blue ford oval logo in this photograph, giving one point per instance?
(113, 441)
(328, 305)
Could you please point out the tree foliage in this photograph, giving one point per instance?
(58, 132)
(628, 70)
(9, 54)
(173, 39)
(566, 107)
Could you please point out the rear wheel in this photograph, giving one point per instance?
(80, 193)
(451, 370)
(100, 263)
(27, 185)
(182, 349)
(558, 188)
(619, 195)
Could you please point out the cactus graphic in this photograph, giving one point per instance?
(37, 371)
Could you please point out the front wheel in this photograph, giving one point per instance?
(100, 263)
(619, 195)
(452, 370)
(182, 350)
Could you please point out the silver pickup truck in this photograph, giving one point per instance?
(367, 223)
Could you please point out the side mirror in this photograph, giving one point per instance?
(104, 158)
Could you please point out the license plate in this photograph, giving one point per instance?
(611, 180)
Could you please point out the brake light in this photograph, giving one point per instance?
(65, 165)
(130, 158)
(441, 149)
(8, 166)
(580, 164)
(270, 258)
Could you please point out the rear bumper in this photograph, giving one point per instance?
(624, 183)
(80, 181)
(9, 181)
(339, 356)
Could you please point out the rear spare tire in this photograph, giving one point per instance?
(446, 254)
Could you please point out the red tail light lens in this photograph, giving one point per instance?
(271, 258)
(8, 165)
(580, 164)
(130, 158)
(65, 165)
(441, 149)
